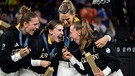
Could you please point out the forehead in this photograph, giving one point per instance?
(65, 16)
(72, 28)
(34, 20)
(59, 26)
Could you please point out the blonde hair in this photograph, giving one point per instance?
(25, 15)
(86, 33)
(67, 7)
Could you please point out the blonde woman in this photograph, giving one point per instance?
(67, 14)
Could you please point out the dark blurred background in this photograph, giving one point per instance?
(116, 18)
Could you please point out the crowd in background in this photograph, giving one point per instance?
(48, 10)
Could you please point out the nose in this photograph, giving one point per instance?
(62, 32)
(37, 27)
(65, 22)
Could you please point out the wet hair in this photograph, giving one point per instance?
(86, 33)
(51, 25)
(67, 7)
(25, 15)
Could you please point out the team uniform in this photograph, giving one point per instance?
(66, 67)
(73, 66)
(105, 58)
(38, 47)
(11, 43)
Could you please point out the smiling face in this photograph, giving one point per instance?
(67, 19)
(75, 34)
(31, 26)
(57, 33)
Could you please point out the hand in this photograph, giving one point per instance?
(100, 73)
(102, 42)
(44, 63)
(24, 52)
(66, 54)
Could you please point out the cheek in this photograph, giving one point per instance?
(71, 35)
(70, 22)
(76, 35)
(55, 33)
(28, 28)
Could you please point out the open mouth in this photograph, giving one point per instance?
(33, 30)
(60, 37)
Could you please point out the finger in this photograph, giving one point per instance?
(99, 46)
(25, 48)
(65, 53)
(63, 50)
(97, 42)
(24, 51)
(48, 63)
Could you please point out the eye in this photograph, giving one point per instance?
(67, 19)
(59, 29)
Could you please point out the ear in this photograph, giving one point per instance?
(50, 32)
(25, 24)
(79, 32)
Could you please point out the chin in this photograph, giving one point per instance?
(31, 33)
(77, 42)
(67, 25)
(57, 41)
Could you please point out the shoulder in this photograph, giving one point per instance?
(8, 34)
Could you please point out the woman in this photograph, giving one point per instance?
(105, 58)
(14, 42)
(67, 14)
(44, 51)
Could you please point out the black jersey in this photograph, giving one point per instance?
(103, 57)
(39, 52)
(73, 47)
(9, 46)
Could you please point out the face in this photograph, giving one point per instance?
(56, 33)
(67, 19)
(75, 34)
(29, 28)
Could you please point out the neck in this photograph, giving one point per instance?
(50, 39)
(23, 31)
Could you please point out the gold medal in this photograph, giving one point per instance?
(63, 55)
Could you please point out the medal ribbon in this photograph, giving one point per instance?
(47, 48)
(20, 39)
